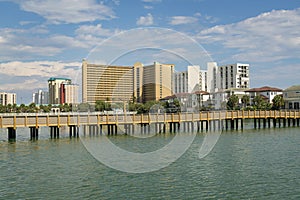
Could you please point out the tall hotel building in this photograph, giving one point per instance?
(187, 81)
(61, 91)
(220, 78)
(157, 81)
(7, 98)
(106, 83)
(126, 83)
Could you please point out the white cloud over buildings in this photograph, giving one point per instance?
(145, 20)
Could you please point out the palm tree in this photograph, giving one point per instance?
(278, 102)
(232, 102)
(245, 100)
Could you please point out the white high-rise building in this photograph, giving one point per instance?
(40, 97)
(187, 81)
(234, 76)
(70, 93)
(203, 80)
(7, 98)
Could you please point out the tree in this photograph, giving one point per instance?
(258, 102)
(278, 102)
(232, 103)
(245, 100)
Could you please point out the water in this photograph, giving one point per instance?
(253, 164)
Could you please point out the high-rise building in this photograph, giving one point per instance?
(40, 97)
(56, 89)
(106, 83)
(220, 78)
(234, 76)
(157, 81)
(69, 93)
(187, 81)
(7, 98)
(126, 83)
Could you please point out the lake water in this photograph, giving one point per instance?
(249, 164)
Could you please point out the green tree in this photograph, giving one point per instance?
(258, 102)
(232, 103)
(245, 100)
(278, 102)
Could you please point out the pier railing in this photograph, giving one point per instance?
(14, 120)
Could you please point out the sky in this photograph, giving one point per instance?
(40, 39)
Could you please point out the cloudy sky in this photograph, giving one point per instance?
(40, 39)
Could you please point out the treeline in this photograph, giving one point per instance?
(99, 106)
(258, 103)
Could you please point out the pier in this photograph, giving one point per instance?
(96, 123)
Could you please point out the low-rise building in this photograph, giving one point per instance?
(266, 92)
(291, 97)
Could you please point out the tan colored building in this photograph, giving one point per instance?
(126, 83)
(157, 81)
(106, 83)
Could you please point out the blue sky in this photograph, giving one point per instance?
(40, 39)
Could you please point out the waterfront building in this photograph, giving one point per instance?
(126, 83)
(41, 97)
(106, 83)
(221, 79)
(203, 80)
(157, 81)
(291, 97)
(55, 89)
(69, 94)
(266, 92)
(7, 98)
(187, 81)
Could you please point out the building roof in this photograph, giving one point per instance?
(293, 88)
(265, 89)
(201, 92)
(53, 79)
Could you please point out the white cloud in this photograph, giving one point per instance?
(148, 7)
(145, 20)
(34, 75)
(267, 37)
(179, 20)
(66, 11)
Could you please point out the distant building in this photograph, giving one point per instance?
(70, 94)
(61, 90)
(291, 97)
(187, 81)
(7, 98)
(41, 97)
(266, 92)
(227, 76)
(126, 83)
(106, 83)
(157, 81)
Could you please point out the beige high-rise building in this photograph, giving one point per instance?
(157, 81)
(126, 83)
(106, 83)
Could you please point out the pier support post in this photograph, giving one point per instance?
(12, 136)
(34, 133)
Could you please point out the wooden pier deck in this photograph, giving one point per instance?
(171, 122)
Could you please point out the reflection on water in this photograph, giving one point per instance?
(253, 164)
